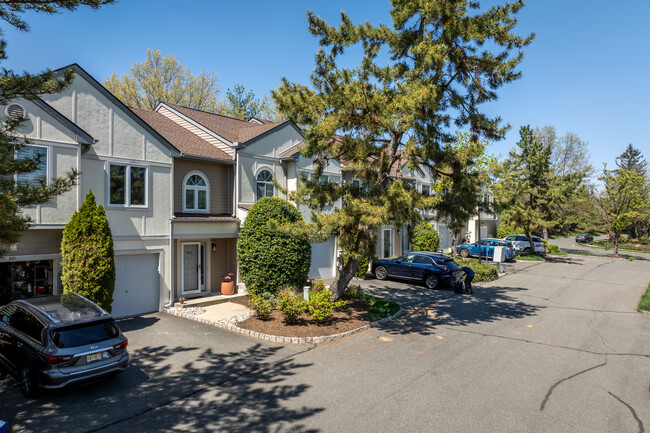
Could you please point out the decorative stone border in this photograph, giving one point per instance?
(230, 324)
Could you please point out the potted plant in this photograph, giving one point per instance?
(181, 300)
(228, 285)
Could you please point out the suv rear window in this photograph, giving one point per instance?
(85, 334)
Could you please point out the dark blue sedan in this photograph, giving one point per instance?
(432, 269)
(486, 247)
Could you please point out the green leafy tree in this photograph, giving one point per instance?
(620, 200)
(527, 189)
(570, 159)
(632, 160)
(164, 79)
(425, 237)
(268, 258)
(87, 262)
(434, 66)
(244, 105)
(15, 159)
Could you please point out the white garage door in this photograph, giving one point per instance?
(136, 285)
(323, 259)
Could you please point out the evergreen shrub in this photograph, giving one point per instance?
(425, 237)
(87, 262)
(268, 258)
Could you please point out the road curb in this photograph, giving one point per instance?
(230, 324)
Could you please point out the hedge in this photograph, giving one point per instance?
(270, 259)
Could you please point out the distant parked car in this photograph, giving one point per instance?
(486, 247)
(522, 245)
(433, 269)
(54, 341)
(584, 238)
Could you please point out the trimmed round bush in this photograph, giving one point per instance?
(270, 259)
(425, 237)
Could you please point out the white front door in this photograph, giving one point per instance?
(386, 242)
(191, 267)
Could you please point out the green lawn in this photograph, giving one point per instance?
(604, 245)
(380, 307)
(530, 258)
(644, 303)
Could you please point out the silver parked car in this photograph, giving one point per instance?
(522, 245)
(55, 341)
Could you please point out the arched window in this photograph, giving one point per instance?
(196, 193)
(264, 185)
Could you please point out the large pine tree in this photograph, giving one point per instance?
(416, 82)
(13, 194)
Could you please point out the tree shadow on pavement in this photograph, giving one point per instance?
(233, 391)
(565, 260)
(423, 311)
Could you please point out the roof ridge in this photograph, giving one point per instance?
(211, 113)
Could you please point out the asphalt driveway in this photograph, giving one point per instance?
(553, 346)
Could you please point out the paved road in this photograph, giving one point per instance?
(553, 347)
(569, 245)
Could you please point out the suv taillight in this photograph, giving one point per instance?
(122, 345)
(55, 359)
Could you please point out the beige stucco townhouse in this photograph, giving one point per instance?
(128, 166)
(224, 167)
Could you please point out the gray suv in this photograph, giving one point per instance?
(55, 341)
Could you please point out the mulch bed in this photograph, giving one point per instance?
(342, 320)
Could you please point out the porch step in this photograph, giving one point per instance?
(204, 301)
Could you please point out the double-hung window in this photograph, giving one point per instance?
(426, 190)
(127, 185)
(40, 173)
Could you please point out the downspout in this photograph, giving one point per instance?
(235, 195)
(171, 239)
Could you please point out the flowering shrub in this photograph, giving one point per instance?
(321, 304)
(290, 304)
(262, 304)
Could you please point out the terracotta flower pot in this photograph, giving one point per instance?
(228, 288)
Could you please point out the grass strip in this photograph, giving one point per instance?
(530, 258)
(644, 303)
(379, 307)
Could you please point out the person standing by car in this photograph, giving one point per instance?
(469, 276)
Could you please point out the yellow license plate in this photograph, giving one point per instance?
(94, 357)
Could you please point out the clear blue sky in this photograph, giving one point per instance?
(585, 72)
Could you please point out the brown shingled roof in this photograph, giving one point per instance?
(233, 130)
(293, 150)
(184, 140)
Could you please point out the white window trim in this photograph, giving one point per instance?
(422, 187)
(127, 187)
(270, 170)
(196, 188)
(47, 162)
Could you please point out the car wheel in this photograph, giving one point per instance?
(464, 253)
(381, 273)
(27, 379)
(526, 250)
(431, 281)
